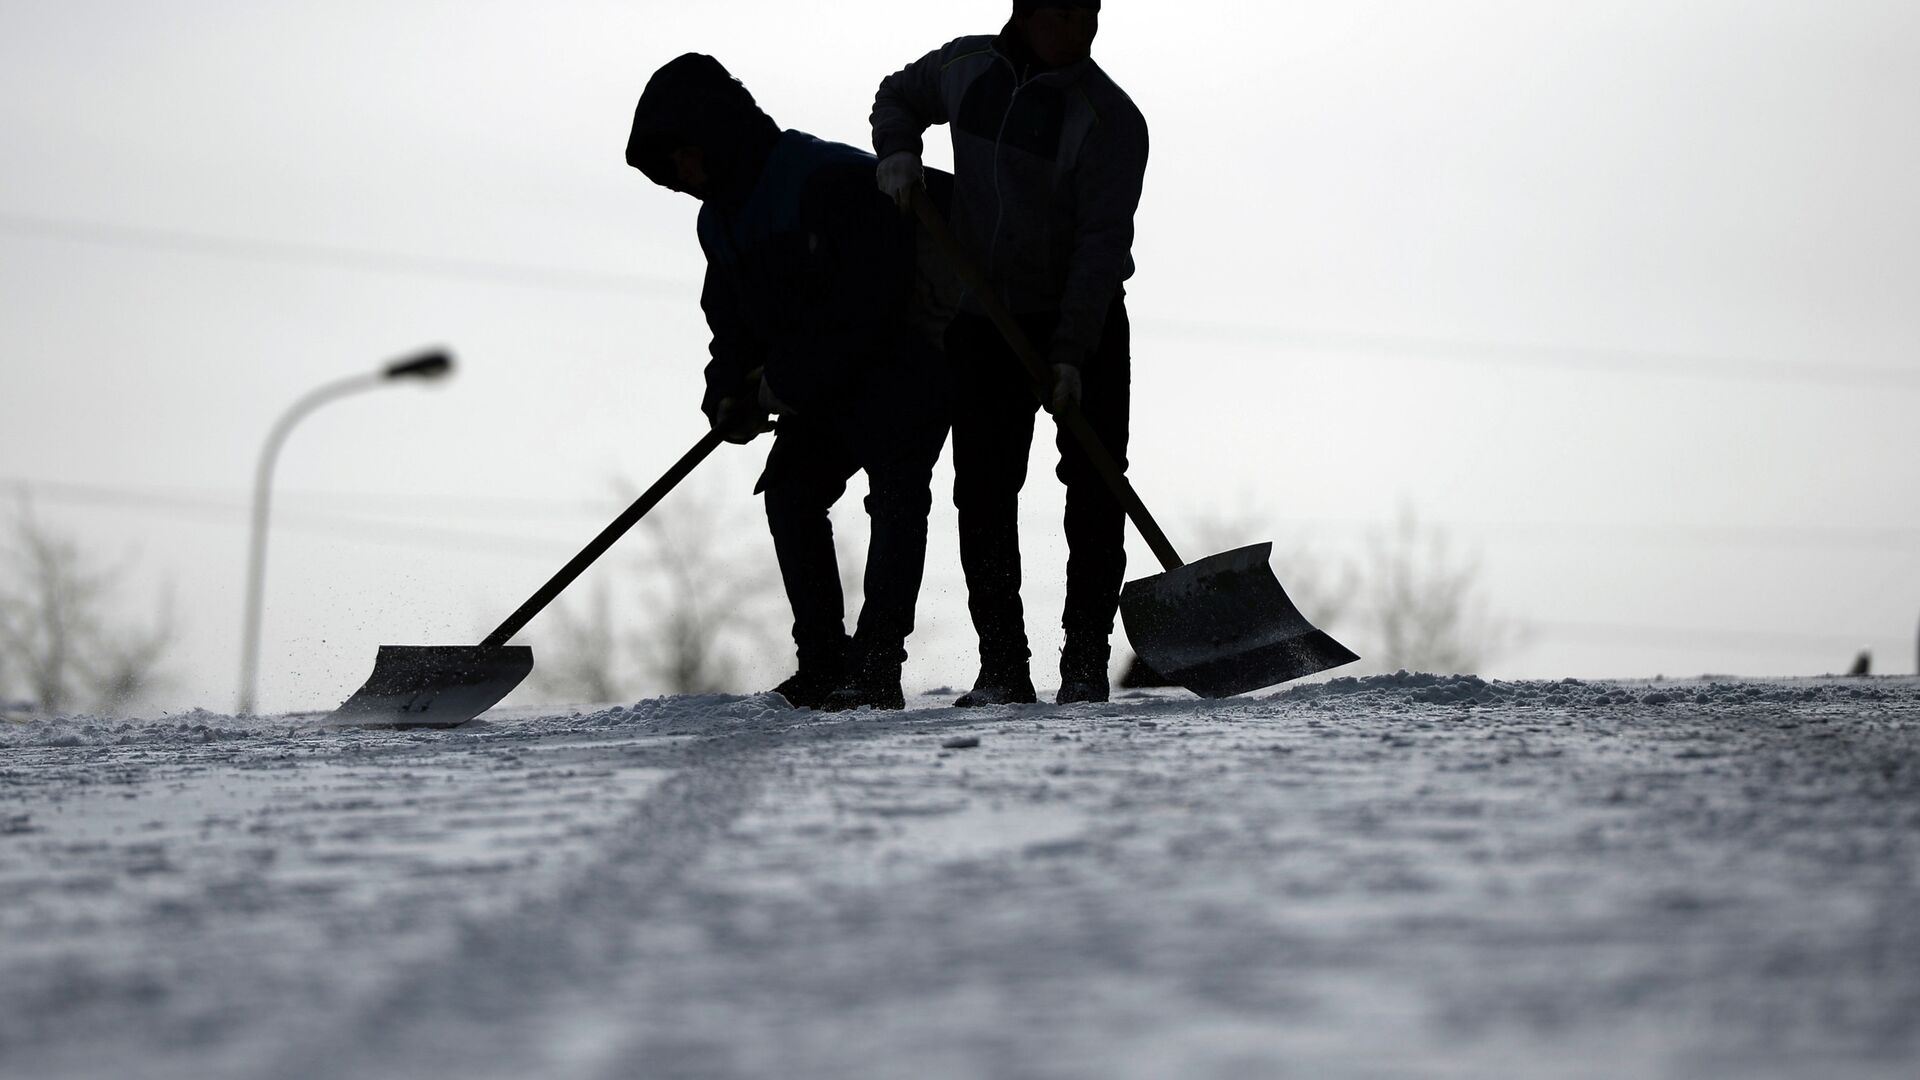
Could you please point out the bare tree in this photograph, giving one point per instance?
(1421, 604)
(581, 658)
(705, 613)
(9, 631)
(700, 613)
(1323, 588)
(1410, 602)
(60, 644)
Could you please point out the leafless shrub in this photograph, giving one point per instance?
(1409, 601)
(700, 613)
(703, 614)
(1422, 606)
(1323, 588)
(580, 659)
(61, 645)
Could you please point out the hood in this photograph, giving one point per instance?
(694, 101)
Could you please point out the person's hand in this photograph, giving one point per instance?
(898, 173)
(769, 403)
(1066, 389)
(739, 420)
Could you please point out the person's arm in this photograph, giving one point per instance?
(1107, 185)
(860, 274)
(731, 398)
(907, 104)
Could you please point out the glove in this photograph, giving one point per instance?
(899, 173)
(1066, 389)
(769, 403)
(739, 420)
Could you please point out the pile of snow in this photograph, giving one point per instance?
(1411, 688)
(723, 714)
(197, 726)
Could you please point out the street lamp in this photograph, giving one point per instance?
(429, 364)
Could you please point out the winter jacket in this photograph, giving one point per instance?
(810, 268)
(1048, 169)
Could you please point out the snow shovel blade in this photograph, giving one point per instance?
(1223, 626)
(433, 686)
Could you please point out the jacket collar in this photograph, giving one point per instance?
(1026, 66)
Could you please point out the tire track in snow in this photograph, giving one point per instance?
(485, 1005)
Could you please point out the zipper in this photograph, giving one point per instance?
(999, 200)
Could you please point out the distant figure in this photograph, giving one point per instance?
(1862, 664)
(1049, 158)
(809, 288)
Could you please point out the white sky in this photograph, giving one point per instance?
(1621, 294)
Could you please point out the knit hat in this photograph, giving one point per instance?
(1026, 7)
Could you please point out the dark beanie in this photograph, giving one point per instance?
(1026, 7)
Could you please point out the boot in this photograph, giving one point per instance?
(1083, 672)
(822, 671)
(1008, 686)
(808, 689)
(873, 679)
(862, 694)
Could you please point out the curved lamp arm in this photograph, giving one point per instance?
(431, 364)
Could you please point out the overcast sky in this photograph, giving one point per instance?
(1621, 295)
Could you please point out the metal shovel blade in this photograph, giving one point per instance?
(433, 686)
(1223, 626)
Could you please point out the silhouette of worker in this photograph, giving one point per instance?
(1049, 157)
(809, 293)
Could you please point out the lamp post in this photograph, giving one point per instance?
(429, 364)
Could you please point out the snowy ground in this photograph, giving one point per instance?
(1397, 876)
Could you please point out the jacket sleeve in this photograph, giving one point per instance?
(858, 278)
(1107, 186)
(734, 349)
(908, 103)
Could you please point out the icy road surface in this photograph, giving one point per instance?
(1397, 876)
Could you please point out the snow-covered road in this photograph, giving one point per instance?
(1396, 876)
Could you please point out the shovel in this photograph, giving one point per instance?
(1220, 626)
(443, 686)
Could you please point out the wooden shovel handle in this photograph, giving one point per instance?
(648, 500)
(618, 528)
(1041, 378)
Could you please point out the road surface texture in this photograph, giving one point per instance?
(1399, 876)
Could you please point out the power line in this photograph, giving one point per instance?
(518, 508)
(1536, 357)
(352, 528)
(442, 539)
(1640, 633)
(1506, 354)
(1604, 533)
(340, 258)
(514, 507)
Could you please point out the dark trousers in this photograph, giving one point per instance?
(892, 427)
(993, 414)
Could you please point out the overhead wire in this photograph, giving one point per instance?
(518, 507)
(358, 259)
(1503, 354)
(440, 538)
(350, 527)
(1508, 354)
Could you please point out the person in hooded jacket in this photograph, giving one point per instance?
(1049, 159)
(810, 296)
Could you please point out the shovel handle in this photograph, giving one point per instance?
(648, 500)
(1041, 377)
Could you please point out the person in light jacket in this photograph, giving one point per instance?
(1049, 159)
